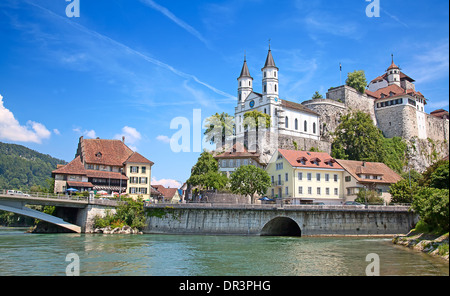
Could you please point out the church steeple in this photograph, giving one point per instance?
(245, 81)
(270, 76)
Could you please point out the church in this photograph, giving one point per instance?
(287, 118)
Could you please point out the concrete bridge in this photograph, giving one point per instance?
(73, 213)
(277, 220)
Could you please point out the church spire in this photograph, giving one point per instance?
(245, 72)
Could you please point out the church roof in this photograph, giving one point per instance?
(269, 60)
(297, 106)
(245, 72)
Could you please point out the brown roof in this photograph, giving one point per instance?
(297, 106)
(237, 151)
(441, 113)
(80, 184)
(166, 192)
(105, 152)
(355, 168)
(105, 175)
(138, 158)
(323, 159)
(403, 76)
(75, 167)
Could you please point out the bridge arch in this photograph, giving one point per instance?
(281, 226)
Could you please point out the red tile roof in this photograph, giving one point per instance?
(166, 192)
(138, 158)
(237, 151)
(75, 167)
(324, 160)
(356, 168)
(105, 152)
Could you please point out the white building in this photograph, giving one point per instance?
(287, 118)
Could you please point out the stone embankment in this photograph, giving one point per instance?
(118, 230)
(427, 243)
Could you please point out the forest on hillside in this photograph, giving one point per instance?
(21, 167)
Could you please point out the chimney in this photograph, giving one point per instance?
(363, 163)
(123, 139)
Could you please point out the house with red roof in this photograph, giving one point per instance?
(303, 177)
(105, 165)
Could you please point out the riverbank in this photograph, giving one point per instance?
(428, 243)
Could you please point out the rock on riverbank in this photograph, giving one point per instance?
(118, 230)
(430, 244)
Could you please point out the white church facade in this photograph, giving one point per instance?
(287, 118)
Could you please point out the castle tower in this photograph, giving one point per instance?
(270, 77)
(245, 86)
(393, 73)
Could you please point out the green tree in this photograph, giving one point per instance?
(436, 175)
(432, 205)
(249, 180)
(256, 119)
(357, 138)
(403, 191)
(205, 173)
(317, 95)
(219, 127)
(357, 80)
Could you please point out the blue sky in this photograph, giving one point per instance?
(128, 67)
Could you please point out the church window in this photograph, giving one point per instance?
(240, 83)
(240, 97)
(275, 87)
(264, 73)
(305, 126)
(249, 83)
(314, 128)
(265, 88)
(296, 124)
(265, 111)
(275, 73)
(286, 123)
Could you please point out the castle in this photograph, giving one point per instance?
(391, 100)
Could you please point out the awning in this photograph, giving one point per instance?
(79, 184)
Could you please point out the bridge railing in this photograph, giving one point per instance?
(387, 208)
(45, 195)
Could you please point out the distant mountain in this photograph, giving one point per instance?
(21, 167)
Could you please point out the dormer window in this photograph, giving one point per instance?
(98, 154)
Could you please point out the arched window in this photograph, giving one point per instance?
(275, 87)
(305, 126)
(249, 83)
(314, 128)
(286, 122)
(296, 124)
(265, 88)
(275, 73)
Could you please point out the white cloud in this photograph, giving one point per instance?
(162, 138)
(132, 137)
(168, 183)
(56, 131)
(91, 134)
(10, 128)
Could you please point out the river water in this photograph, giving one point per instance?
(195, 255)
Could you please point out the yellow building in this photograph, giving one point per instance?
(301, 177)
(138, 170)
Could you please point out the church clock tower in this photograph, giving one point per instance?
(245, 81)
(270, 78)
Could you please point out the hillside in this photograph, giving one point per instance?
(21, 167)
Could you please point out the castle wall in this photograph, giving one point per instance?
(398, 121)
(353, 100)
(437, 128)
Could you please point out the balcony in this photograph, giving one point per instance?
(277, 183)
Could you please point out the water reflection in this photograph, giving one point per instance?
(26, 254)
